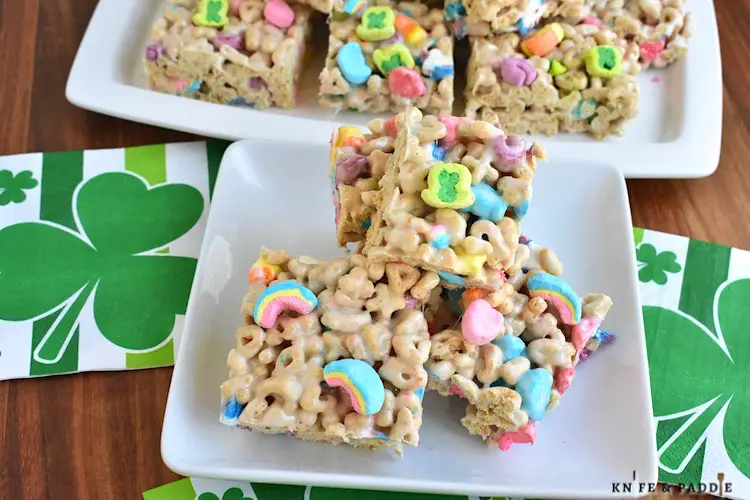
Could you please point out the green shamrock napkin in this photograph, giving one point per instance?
(97, 255)
(194, 488)
(696, 305)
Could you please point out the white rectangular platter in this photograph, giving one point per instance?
(602, 433)
(677, 133)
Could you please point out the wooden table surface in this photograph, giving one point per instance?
(96, 435)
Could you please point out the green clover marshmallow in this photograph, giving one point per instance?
(391, 57)
(603, 61)
(448, 186)
(377, 24)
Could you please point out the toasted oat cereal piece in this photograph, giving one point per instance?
(388, 56)
(515, 350)
(659, 29)
(486, 17)
(561, 78)
(250, 55)
(358, 162)
(452, 197)
(331, 351)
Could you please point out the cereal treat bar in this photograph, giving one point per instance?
(452, 197)
(660, 29)
(246, 52)
(486, 17)
(388, 57)
(331, 351)
(560, 78)
(515, 349)
(358, 162)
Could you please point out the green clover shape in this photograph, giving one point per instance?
(48, 269)
(12, 187)
(376, 20)
(230, 494)
(607, 58)
(695, 373)
(214, 11)
(392, 63)
(448, 183)
(654, 266)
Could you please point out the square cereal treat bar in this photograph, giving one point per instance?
(452, 197)
(331, 351)
(515, 349)
(387, 57)
(250, 54)
(660, 29)
(487, 17)
(358, 162)
(560, 78)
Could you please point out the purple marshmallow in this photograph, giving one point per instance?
(154, 52)
(234, 41)
(351, 168)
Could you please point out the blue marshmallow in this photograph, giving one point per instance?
(535, 388)
(452, 279)
(488, 204)
(511, 346)
(353, 64)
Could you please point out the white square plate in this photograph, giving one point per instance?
(677, 134)
(277, 194)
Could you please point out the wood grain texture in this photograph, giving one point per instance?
(97, 435)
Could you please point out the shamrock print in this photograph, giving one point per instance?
(230, 494)
(653, 266)
(707, 374)
(12, 187)
(111, 257)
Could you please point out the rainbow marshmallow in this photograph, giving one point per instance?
(353, 6)
(558, 293)
(283, 296)
(360, 381)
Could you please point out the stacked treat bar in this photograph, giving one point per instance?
(444, 293)
(535, 66)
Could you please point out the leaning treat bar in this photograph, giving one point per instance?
(660, 29)
(515, 350)
(452, 197)
(559, 78)
(233, 52)
(358, 162)
(387, 57)
(331, 351)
